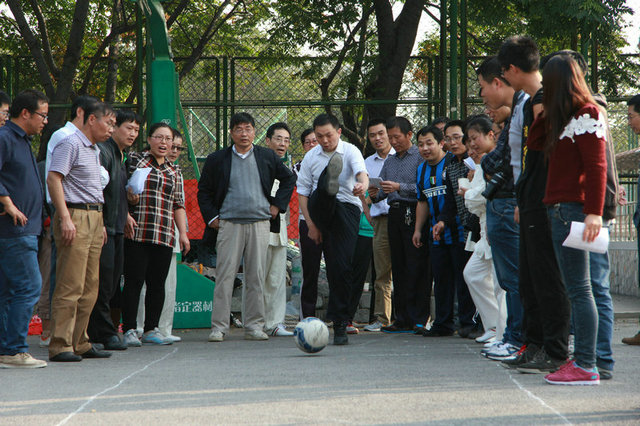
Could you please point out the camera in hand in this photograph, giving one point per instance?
(493, 186)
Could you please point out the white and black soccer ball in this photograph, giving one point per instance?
(311, 335)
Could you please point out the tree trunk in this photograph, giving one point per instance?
(395, 41)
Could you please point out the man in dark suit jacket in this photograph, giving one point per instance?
(234, 194)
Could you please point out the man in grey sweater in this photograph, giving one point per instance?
(234, 194)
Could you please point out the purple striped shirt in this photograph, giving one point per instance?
(76, 158)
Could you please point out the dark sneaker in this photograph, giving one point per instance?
(541, 363)
(396, 328)
(605, 374)
(437, 332)
(525, 354)
(465, 331)
(340, 334)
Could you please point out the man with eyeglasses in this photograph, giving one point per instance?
(76, 191)
(234, 195)
(20, 224)
(633, 118)
(5, 102)
(278, 138)
(115, 215)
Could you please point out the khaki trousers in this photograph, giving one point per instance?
(382, 264)
(77, 272)
(235, 241)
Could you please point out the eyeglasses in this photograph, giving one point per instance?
(161, 138)
(632, 116)
(241, 130)
(177, 148)
(5, 114)
(44, 116)
(453, 138)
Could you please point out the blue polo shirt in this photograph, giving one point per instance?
(20, 181)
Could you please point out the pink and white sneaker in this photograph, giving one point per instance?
(573, 375)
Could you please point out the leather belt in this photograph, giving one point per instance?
(80, 206)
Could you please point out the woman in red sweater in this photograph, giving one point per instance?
(572, 134)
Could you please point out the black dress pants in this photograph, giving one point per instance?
(448, 262)
(410, 269)
(101, 326)
(544, 298)
(144, 263)
(339, 223)
(311, 255)
(361, 261)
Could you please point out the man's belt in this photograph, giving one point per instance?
(80, 206)
(401, 204)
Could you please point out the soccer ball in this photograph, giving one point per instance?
(311, 335)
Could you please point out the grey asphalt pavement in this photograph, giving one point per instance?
(376, 379)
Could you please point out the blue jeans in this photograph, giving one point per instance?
(599, 268)
(575, 267)
(20, 285)
(504, 237)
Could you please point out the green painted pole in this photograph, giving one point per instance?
(443, 58)
(453, 55)
(225, 86)
(463, 59)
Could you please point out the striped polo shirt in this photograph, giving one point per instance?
(76, 159)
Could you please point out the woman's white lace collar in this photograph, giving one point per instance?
(584, 124)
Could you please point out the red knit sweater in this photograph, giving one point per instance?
(577, 165)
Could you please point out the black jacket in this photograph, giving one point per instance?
(115, 204)
(214, 182)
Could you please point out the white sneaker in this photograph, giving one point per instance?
(491, 344)
(255, 335)
(21, 360)
(131, 339)
(280, 330)
(488, 335)
(172, 338)
(216, 335)
(154, 337)
(44, 343)
(375, 326)
(503, 352)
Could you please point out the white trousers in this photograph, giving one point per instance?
(489, 298)
(275, 287)
(165, 324)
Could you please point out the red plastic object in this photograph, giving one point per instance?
(35, 326)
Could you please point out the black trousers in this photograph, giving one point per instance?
(545, 303)
(101, 326)
(410, 268)
(311, 255)
(339, 223)
(448, 263)
(144, 263)
(361, 261)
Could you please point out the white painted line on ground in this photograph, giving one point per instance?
(525, 390)
(89, 400)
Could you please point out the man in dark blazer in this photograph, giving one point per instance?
(234, 194)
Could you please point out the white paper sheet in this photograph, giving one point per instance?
(375, 182)
(469, 163)
(137, 179)
(574, 239)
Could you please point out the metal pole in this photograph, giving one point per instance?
(139, 60)
(453, 77)
(217, 110)
(225, 86)
(594, 64)
(443, 56)
(463, 59)
(430, 87)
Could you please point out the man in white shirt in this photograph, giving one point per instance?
(377, 134)
(331, 178)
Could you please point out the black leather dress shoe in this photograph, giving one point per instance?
(65, 357)
(95, 353)
(114, 343)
